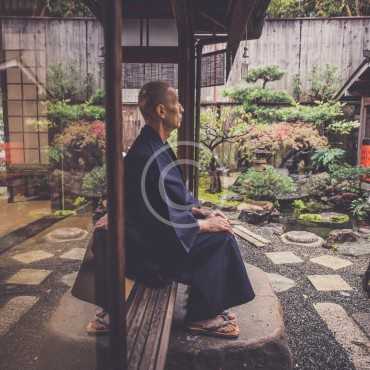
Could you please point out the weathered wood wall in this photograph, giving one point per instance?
(296, 45)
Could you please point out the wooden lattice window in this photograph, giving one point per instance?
(27, 131)
(135, 75)
(213, 69)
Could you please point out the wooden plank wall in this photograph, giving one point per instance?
(295, 45)
(298, 45)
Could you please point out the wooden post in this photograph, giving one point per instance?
(183, 13)
(198, 90)
(115, 183)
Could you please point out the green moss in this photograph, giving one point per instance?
(316, 218)
(310, 217)
(340, 219)
(205, 196)
(63, 213)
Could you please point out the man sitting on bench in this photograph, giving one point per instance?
(168, 236)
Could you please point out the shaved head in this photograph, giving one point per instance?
(152, 94)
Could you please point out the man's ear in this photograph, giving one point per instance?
(160, 110)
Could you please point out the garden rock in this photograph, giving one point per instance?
(302, 238)
(325, 218)
(233, 197)
(275, 228)
(64, 234)
(256, 212)
(341, 236)
(357, 249)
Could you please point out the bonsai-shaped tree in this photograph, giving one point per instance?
(256, 92)
(219, 127)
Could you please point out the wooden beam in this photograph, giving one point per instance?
(115, 182)
(150, 54)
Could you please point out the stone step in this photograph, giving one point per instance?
(262, 343)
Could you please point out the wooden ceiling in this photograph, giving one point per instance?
(207, 16)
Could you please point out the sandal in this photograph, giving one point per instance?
(225, 329)
(97, 327)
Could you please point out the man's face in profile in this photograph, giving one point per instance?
(174, 110)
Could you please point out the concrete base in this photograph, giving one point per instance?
(69, 346)
(261, 345)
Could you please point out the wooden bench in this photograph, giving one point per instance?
(149, 319)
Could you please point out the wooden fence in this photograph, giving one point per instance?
(296, 45)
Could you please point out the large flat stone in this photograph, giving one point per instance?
(280, 283)
(29, 277)
(347, 333)
(354, 249)
(261, 345)
(33, 256)
(328, 283)
(74, 254)
(280, 258)
(13, 310)
(334, 263)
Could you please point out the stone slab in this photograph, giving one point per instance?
(74, 254)
(328, 283)
(280, 283)
(363, 319)
(332, 262)
(69, 279)
(13, 310)
(67, 335)
(29, 277)
(261, 345)
(279, 258)
(33, 256)
(354, 249)
(346, 332)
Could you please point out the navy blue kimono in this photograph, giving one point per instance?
(162, 235)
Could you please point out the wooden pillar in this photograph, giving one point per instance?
(198, 95)
(115, 184)
(186, 76)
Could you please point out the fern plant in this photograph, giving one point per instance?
(322, 159)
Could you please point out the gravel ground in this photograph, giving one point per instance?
(312, 344)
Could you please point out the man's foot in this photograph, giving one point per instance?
(100, 325)
(97, 327)
(220, 326)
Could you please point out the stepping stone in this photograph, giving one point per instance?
(302, 238)
(64, 234)
(32, 256)
(261, 344)
(279, 258)
(331, 262)
(29, 277)
(69, 279)
(280, 283)
(13, 310)
(358, 249)
(363, 319)
(328, 283)
(346, 332)
(74, 254)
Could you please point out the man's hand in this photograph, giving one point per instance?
(215, 224)
(102, 223)
(217, 213)
(206, 212)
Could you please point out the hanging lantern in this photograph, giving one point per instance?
(245, 57)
